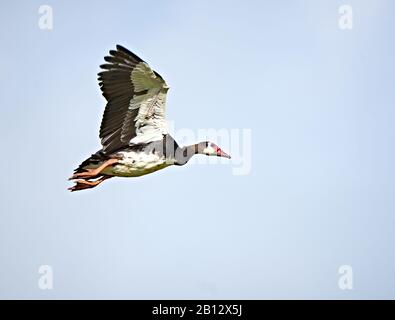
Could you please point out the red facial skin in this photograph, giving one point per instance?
(219, 152)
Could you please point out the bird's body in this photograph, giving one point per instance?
(131, 163)
(134, 132)
(136, 159)
(136, 164)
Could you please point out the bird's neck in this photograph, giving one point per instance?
(184, 154)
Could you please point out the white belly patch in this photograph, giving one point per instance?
(135, 164)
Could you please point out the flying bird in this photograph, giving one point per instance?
(133, 132)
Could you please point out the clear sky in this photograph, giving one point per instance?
(319, 104)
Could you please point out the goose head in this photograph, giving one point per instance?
(211, 149)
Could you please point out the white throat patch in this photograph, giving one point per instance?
(209, 150)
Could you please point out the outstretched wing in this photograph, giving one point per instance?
(136, 98)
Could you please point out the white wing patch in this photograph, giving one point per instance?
(150, 122)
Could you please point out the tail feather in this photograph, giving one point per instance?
(93, 160)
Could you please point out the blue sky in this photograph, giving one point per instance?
(318, 100)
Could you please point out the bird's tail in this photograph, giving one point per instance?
(84, 181)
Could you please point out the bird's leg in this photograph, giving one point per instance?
(85, 184)
(91, 173)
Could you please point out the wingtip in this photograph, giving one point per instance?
(128, 52)
(121, 48)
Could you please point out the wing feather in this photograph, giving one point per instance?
(136, 97)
